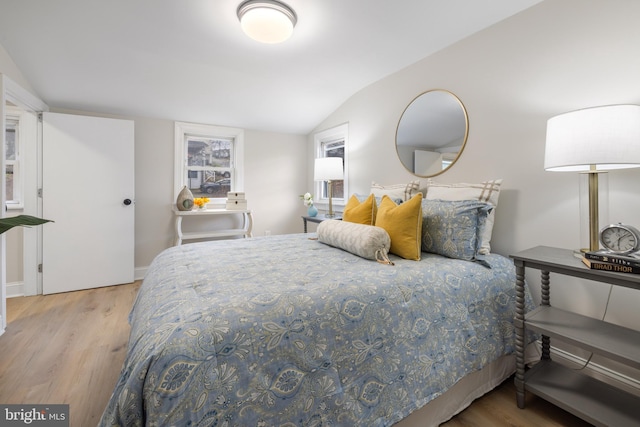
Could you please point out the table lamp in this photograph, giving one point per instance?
(328, 169)
(592, 141)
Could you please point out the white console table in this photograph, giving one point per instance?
(180, 235)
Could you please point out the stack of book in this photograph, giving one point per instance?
(603, 260)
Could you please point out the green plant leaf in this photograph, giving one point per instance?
(20, 220)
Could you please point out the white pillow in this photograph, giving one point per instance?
(366, 241)
(401, 192)
(487, 191)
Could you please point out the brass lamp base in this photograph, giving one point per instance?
(330, 214)
(594, 243)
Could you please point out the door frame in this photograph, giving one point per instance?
(10, 91)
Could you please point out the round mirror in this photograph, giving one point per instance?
(432, 133)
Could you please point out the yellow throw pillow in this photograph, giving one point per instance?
(404, 225)
(361, 213)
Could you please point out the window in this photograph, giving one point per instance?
(332, 143)
(208, 160)
(12, 161)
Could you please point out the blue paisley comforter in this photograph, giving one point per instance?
(287, 331)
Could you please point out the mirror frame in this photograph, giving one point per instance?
(464, 142)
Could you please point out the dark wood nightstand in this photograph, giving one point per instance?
(317, 219)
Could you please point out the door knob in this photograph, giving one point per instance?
(127, 202)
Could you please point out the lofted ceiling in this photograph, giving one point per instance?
(188, 60)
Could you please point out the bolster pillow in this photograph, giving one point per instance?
(366, 241)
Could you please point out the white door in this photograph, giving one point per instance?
(88, 191)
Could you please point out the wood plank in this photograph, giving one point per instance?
(66, 348)
(498, 409)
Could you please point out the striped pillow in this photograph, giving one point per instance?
(397, 191)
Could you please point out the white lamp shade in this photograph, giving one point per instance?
(604, 138)
(267, 21)
(328, 169)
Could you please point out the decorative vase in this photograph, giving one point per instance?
(312, 211)
(185, 199)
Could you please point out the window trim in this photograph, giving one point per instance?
(329, 135)
(183, 129)
(13, 114)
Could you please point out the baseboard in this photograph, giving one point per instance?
(595, 370)
(15, 289)
(139, 273)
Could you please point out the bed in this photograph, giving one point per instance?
(290, 331)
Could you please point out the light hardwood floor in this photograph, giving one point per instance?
(69, 348)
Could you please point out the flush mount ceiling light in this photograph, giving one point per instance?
(267, 21)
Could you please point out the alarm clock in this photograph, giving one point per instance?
(620, 238)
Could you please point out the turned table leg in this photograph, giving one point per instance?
(520, 332)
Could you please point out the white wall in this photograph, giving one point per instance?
(10, 69)
(558, 56)
(273, 164)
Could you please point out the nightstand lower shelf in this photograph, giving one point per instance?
(590, 399)
(612, 341)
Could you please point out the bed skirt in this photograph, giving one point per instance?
(464, 392)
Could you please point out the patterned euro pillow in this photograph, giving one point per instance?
(366, 241)
(487, 192)
(453, 228)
